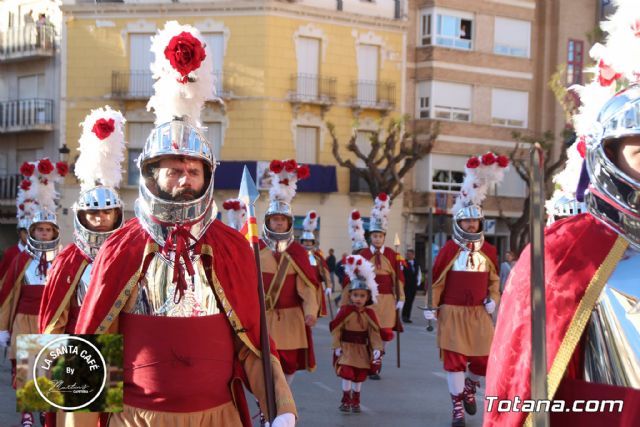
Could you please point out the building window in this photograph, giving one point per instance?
(575, 54)
(443, 101)
(451, 29)
(140, 56)
(213, 134)
(307, 144)
(512, 37)
(509, 108)
(446, 180)
(138, 134)
(215, 48)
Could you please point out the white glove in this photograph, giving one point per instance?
(284, 420)
(429, 315)
(328, 292)
(337, 352)
(490, 305)
(399, 305)
(5, 337)
(376, 354)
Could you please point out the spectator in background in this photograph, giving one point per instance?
(412, 278)
(339, 270)
(505, 268)
(331, 262)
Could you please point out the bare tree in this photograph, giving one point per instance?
(390, 158)
(519, 227)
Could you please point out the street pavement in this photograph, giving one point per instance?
(414, 395)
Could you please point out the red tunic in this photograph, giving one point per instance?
(580, 255)
(9, 255)
(60, 291)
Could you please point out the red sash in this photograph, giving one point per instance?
(177, 364)
(288, 297)
(466, 288)
(355, 337)
(385, 283)
(30, 298)
(571, 390)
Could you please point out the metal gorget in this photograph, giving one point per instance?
(156, 291)
(470, 260)
(612, 345)
(31, 275)
(83, 285)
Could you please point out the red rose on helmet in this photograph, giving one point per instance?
(45, 166)
(62, 168)
(503, 161)
(185, 53)
(303, 172)
(25, 185)
(103, 128)
(582, 147)
(312, 215)
(355, 215)
(226, 205)
(350, 260)
(290, 165)
(276, 166)
(473, 163)
(606, 74)
(27, 169)
(359, 262)
(382, 197)
(488, 159)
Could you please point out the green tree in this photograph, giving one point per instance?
(28, 398)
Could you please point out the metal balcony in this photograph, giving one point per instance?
(28, 42)
(9, 189)
(375, 95)
(312, 89)
(138, 84)
(23, 115)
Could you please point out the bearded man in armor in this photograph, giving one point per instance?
(179, 285)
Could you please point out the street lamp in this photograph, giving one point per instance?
(64, 152)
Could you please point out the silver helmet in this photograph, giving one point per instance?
(37, 246)
(177, 138)
(464, 238)
(97, 198)
(278, 242)
(614, 196)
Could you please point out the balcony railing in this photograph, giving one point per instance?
(30, 41)
(377, 95)
(9, 187)
(26, 115)
(313, 89)
(138, 84)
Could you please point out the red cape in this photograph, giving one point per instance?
(346, 310)
(13, 273)
(7, 259)
(575, 249)
(451, 249)
(120, 258)
(62, 280)
(391, 255)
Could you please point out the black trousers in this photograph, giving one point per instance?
(409, 296)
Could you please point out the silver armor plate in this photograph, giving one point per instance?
(31, 275)
(612, 346)
(83, 285)
(156, 291)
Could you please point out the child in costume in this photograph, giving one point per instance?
(357, 344)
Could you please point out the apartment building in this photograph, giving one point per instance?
(284, 69)
(481, 71)
(29, 76)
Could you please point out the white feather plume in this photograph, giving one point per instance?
(310, 222)
(284, 184)
(477, 182)
(358, 268)
(43, 190)
(356, 227)
(172, 97)
(236, 213)
(380, 210)
(100, 160)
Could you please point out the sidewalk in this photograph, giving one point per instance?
(8, 415)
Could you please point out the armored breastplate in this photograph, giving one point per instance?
(470, 261)
(156, 291)
(31, 275)
(83, 285)
(612, 345)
